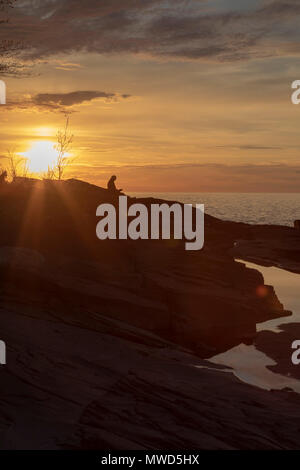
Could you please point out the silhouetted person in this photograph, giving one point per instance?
(112, 187)
(3, 177)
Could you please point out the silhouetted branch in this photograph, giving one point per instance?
(64, 143)
(17, 166)
(9, 47)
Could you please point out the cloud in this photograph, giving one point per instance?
(181, 29)
(62, 102)
(250, 147)
(70, 99)
(68, 66)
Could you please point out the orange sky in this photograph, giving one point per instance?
(166, 122)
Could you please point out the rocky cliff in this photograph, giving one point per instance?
(104, 338)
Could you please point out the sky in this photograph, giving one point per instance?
(178, 95)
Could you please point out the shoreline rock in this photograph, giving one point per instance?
(105, 333)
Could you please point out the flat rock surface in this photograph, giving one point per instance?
(67, 387)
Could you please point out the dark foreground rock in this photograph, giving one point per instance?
(269, 245)
(104, 338)
(67, 387)
(203, 300)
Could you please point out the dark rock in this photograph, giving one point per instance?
(103, 337)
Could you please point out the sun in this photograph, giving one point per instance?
(41, 155)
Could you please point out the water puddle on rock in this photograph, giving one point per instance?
(248, 363)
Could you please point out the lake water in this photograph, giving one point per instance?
(249, 364)
(256, 208)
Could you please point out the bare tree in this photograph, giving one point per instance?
(9, 47)
(3, 175)
(17, 166)
(63, 146)
(50, 173)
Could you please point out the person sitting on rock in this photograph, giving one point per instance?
(112, 187)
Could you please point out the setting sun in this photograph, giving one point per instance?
(41, 155)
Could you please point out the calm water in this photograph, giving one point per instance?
(256, 208)
(249, 364)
